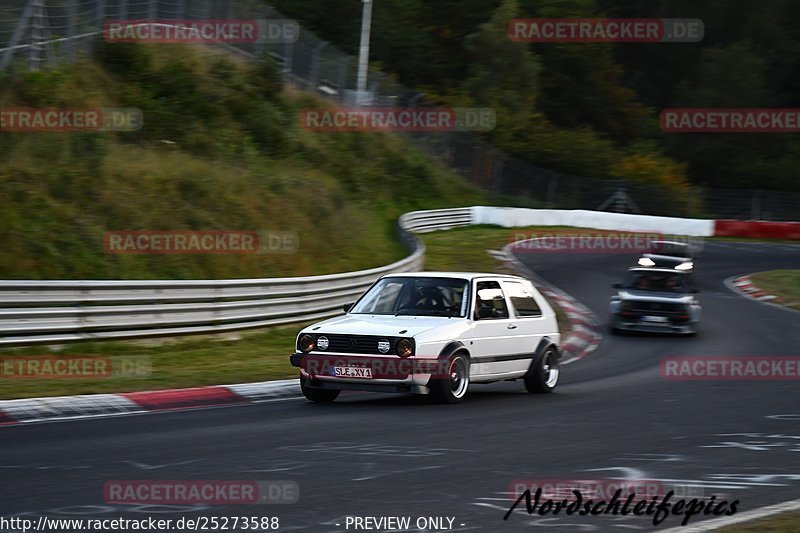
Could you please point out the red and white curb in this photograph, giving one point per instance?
(97, 405)
(744, 286)
(584, 328)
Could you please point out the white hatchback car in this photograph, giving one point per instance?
(432, 333)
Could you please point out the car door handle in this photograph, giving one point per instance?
(511, 326)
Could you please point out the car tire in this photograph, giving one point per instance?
(318, 395)
(542, 376)
(454, 387)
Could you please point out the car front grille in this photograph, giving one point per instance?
(358, 344)
(658, 308)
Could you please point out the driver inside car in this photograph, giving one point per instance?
(431, 298)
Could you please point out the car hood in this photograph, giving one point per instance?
(382, 325)
(654, 296)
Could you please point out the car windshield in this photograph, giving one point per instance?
(672, 249)
(655, 281)
(420, 296)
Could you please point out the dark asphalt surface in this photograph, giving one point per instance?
(612, 417)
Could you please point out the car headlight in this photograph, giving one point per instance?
(405, 348)
(685, 266)
(646, 262)
(306, 343)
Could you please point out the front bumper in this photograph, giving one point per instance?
(627, 324)
(388, 374)
(367, 387)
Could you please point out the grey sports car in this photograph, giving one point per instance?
(654, 300)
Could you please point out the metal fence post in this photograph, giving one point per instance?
(315, 63)
(39, 36)
(343, 68)
(100, 13)
(287, 60)
(152, 10)
(552, 190)
(123, 9)
(18, 32)
(755, 206)
(72, 46)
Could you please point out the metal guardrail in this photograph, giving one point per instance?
(53, 312)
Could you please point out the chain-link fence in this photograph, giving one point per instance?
(37, 33)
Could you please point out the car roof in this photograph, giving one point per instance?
(671, 243)
(463, 275)
(650, 269)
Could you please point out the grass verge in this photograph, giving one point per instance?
(782, 283)
(783, 523)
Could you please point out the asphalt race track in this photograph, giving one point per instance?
(612, 417)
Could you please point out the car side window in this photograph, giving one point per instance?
(522, 299)
(489, 301)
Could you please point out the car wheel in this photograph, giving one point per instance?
(454, 386)
(544, 372)
(318, 395)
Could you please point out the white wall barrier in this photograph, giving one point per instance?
(511, 217)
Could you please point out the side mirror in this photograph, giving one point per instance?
(485, 312)
(347, 307)
(617, 285)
